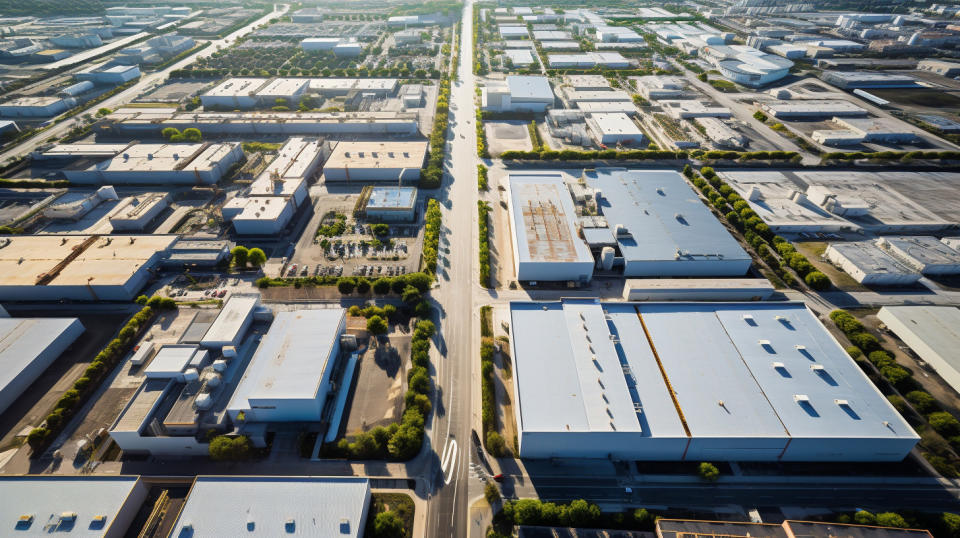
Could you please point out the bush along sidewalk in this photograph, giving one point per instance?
(95, 374)
(483, 210)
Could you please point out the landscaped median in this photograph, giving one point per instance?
(483, 219)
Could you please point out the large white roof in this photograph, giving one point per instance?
(264, 506)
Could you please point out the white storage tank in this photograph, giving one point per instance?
(606, 258)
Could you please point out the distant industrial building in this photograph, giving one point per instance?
(375, 161)
(519, 57)
(654, 88)
(85, 506)
(154, 50)
(36, 106)
(319, 43)
(143, 122)
(688, 109)
(760, 382)
(870, 130)
(849, 80)
(185, 253)
(614, 129)
(30, 345)
(134, 213)
(721, 134)
(924, 254)
(307, 14)
(160, 164)
(746, 65)
(267, 506)
(78, 267)
(288, 377)
(110, 74)
(940, 67)
(811, 108)
(586, 60)
(392, 204)
(932, 332)
(513, 32)
(234, 93)
(519, 93)
(587, 83)
(272, 199)
(868, 264)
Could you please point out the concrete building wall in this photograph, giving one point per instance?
(686, 268)
(931, 356)
(600, 445)
(371, 174)
(44, 359)
(258, 226)
(872, 278)
(134, 443)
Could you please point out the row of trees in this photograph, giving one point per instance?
(432, 175)
(942, 422)
(431, 237)
(547, 154)
(230, 448)
(578, 513)
(483, 210)
(241, 256)
(483, 182)
(903, 156)
(74, 398)
(741, 216)
(483, 150)
(402, 285)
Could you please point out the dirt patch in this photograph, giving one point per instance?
(377, 397)
(507, 135)
(814, 250)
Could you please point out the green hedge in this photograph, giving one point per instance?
(483, 210)
(432, 175)
(95, 374)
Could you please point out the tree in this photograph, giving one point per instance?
(708, 471)
(380, 229)
(491, 493)
(421, 281)
(192, 134)
(405, 443)
(169, 132)
(223, 448)
(817, 280)
(410, 295)
(256, 257)
(376, 325)
(862, 517)
(388, 525)
(495, 444)
(951, 524)
(580, 513)
(944, 423)
(346, 285)
(420, 381)
(240, 255)
(363, 285)
(891, 519)
(922, 401)
(381, 286)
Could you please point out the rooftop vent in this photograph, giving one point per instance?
(68, 516)
(842, 402)
(344, 526)
(778, 365)
(748, 318)
(800, 347)
(816, 367)
(801, 398)
(765, 343)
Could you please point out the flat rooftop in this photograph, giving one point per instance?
(927, 250)
(284, 87)
(377, 155)
(870, 258)
(262, 506)
(235, 312)
(237, 87)
(755, 370)
(774, 201)
(23, 340)
(544, 220)
(295, 160)
(104, 261)
(292, 357)
(141, 405)
(821, 107)
(45, 498)
(936, 327)
(666, 219)
(392, 198)
(529, 87)
(170, 360)
(168, 157)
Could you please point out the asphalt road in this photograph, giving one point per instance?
(146, 82)
(450, 432)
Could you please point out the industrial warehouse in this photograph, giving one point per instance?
(760, 382)
(639, 223)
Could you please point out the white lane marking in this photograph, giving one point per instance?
(453, 462)
(444, 459)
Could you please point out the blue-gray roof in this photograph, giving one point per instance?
(392, 197)
(765, 371)
(256, 506)
(529, 87)
(46, 498)
(666, 220)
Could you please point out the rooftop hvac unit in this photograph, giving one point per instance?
(748, 318)
(778, 365)
(801, 398)
(817, 367)
(800, 347)
(841, 402)
(764, 343)
(68, 516)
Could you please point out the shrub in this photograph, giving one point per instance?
(922, 401)
(37, 438)
(708, 471)
(891, 519)
(944, 423)
(854, 352)
(381, 286)
(223, 448)
(864, 341)
(363, 286)
(862, 517)
(880, 358)
(376, 325)
(346, 285)
(491, 493)
(495, 444)
(898, 403)
(239, 255)
(388, 525)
